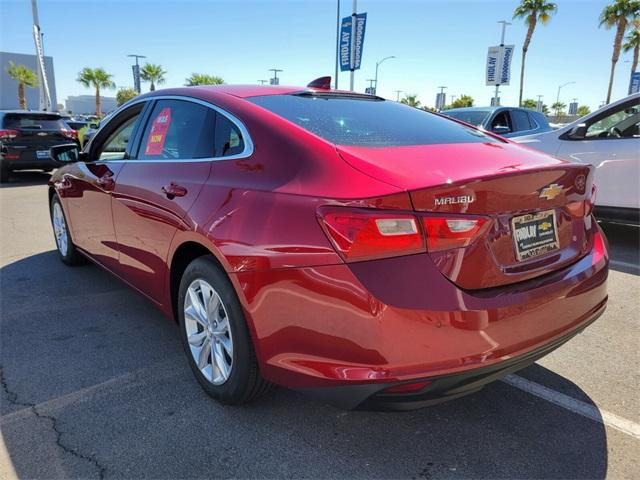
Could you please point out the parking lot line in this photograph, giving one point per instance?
(575, 406)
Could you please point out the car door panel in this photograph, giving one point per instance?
(156, 189)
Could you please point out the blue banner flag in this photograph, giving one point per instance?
(634, 85)
(352, 33)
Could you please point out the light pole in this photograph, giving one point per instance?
(337, 43)
(560, 87)
(505, 24)
(440, 99)
(262, 82)
(370, 90)
(136, 71)
(398, 92)
(378, 63)
(352, 77)
(539, 105)
(275, 80)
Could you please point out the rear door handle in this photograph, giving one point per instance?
(106, 182)
(173, 190)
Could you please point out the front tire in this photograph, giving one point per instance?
(215, 336)
(67, 251)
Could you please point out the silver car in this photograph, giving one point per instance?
(609, 139)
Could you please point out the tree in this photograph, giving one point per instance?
(633, 44)
(583, 110)
(25, 78)
(96, 78)
(618, 14)
(153, 73)
(125, 94)
(203, 79)
(411, 100)
(532, 11)
(530, 103)
(558, 108)
(462, 102)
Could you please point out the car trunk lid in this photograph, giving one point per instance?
(533, 210)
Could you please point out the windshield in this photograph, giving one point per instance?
(367, 121)
(33, 120)
(474, 117)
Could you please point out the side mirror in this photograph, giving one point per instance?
(578, 132)
(501, 130)
(66, 153)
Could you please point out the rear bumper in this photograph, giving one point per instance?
(441, 388)
(14, 159)
(350, 331)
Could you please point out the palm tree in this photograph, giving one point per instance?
(529, 103)
(152, 73)
(532, 11)
(411, 100)
(97, 78)
(25, 77)
(633, 43)
(583, 110)
(618, 14)
(203, 79)
(558, 108)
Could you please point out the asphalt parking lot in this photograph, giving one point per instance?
(95, 385)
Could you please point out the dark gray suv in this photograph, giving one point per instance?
(504, 121)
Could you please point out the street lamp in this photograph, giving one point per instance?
(262, 82)
(378, 63)
(136, 72)
(560, 87)
(275, 80)
(398, 92)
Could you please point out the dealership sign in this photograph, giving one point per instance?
(352, 41)
(499, 64)
(634, 86)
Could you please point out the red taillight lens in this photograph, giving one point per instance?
(361, 234)
(445, 233)
(8, 134)
(70, 134)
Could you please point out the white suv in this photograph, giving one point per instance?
(609, 139)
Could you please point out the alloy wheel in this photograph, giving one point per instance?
(60, 229)
(208, 331)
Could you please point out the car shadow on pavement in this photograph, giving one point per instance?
(624, 243)
(26, 178)
(95, 384)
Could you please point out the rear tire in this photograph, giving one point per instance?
(215, 335)
(67, 251)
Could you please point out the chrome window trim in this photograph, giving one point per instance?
(248, 142)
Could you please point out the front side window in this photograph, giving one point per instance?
(501, 121)
(364, 121)
(178, 129)
(115, 147)
(623, 122)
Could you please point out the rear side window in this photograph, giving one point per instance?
(229, 139)
(177, 130)
(348, 120)
(34, 121)
(520, 120)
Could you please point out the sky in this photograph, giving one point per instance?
(435, 43)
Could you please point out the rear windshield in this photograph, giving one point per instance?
(344, 120)
(474, 117)
(33, 120)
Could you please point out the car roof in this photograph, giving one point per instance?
(30, 112)
(471, 109)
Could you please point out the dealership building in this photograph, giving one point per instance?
(9, 87)
(86, 104)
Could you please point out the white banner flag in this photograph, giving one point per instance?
(499, 65)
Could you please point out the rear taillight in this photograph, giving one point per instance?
(445, 233)
(73, 134)
(8, 134)
(359, 234)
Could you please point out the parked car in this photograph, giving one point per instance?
(76, 124)
(26, 137)
(608, 138)
(504, 121)
(367, 252)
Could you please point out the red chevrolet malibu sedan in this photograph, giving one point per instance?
(367, 252)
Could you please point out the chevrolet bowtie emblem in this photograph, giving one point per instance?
(551, 192)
